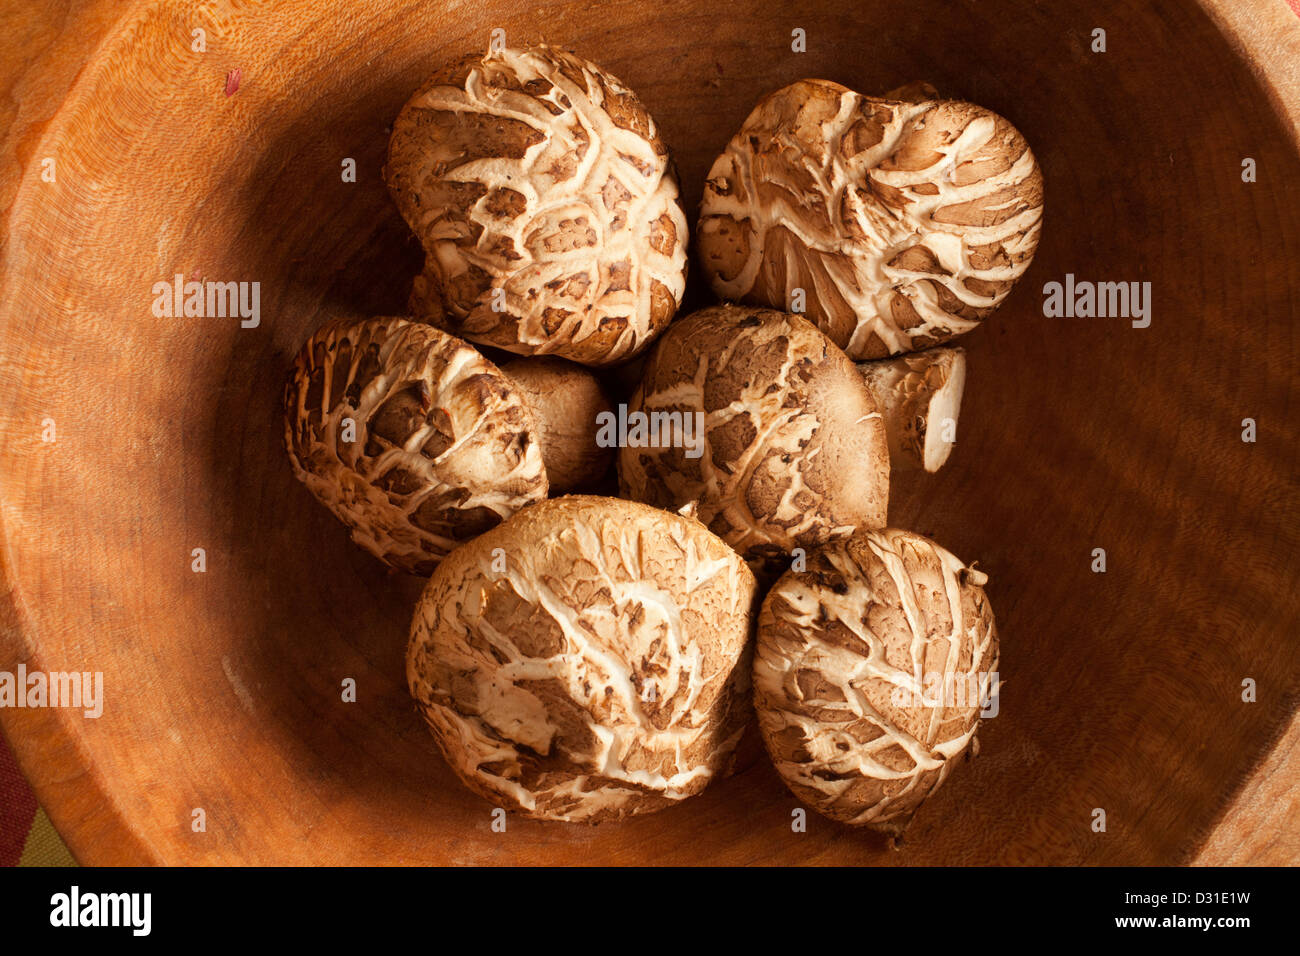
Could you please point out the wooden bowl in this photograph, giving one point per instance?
(223, 689)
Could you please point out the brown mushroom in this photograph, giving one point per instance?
(413, 439)
(586, 660)
(766, 426)
(546, 205)
(871, 669)
(903, 222)
(567, 401)
(920, 396)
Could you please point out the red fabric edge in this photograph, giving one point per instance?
(17, 808)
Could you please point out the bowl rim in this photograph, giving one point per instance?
(49, 745)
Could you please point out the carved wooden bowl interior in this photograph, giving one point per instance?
(1123, 689)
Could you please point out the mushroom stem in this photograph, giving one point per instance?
(920, 397)
(565, 399)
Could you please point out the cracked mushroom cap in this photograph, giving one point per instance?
(794, 450)
(905, 221)
(413, 439)
(545, 202)
(587, 660)
(852, 661)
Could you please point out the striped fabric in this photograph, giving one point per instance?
(27, 837)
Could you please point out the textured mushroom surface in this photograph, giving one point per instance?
(566, 400)
(410, 436)
(869, 672)
(904, 221)
(920, 396)
(587, 660)
(543, 196)
(794, 448)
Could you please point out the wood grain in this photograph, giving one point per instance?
(1123, 689)
(1259, 827)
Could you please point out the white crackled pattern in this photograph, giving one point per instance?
(482, 458)
(795, 451)
(583, 232)
(878, 214)
(629, 595)
(844, 740)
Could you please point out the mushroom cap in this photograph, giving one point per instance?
(565, 399)
(794, 447)
(586, 660)
(850, 668)
(905, 221)
(545, 202)
(441, 445)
